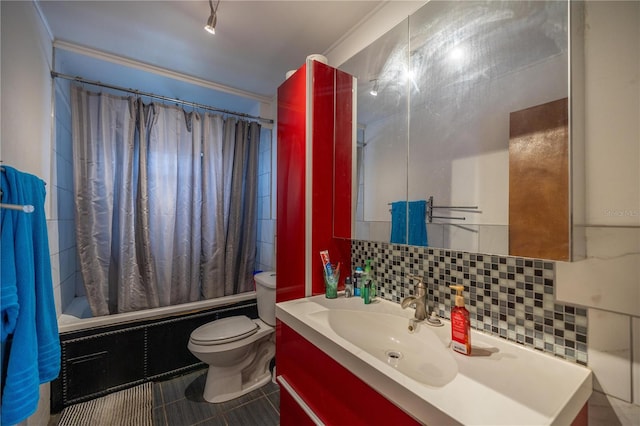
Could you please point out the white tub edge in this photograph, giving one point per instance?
(67, 323)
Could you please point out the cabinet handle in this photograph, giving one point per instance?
(308, 411)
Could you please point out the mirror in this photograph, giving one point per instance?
(447, 80)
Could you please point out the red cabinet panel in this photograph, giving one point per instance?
(291, 170)
(335, 395)
(329, 112)
(327, 118)
(290, 411)
(343, 156)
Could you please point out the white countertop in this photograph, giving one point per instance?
(502, 383)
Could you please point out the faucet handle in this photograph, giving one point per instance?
(417, 278)
(421, 287)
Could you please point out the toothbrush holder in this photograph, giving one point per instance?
(331, 284)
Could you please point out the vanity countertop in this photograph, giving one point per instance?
(501, 383)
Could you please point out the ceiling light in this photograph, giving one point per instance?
(213, 18)
(374, 90)
(457, 53)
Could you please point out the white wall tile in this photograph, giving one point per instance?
(607, 411)
(493, 239)
(67, 292)
(67, 264)
(57, 299)
(435, 234)
(380, 231)
(67, 234)
(608, 242)
(80, 291)
(609, 352)
(264, 207)
(52, 233)
(55, 269)
(65, 204)
(267, 231)
(609, 284)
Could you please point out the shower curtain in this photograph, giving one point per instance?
(165, 212)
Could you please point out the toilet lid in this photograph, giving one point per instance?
(224, 330)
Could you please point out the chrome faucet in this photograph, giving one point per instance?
(419, 300)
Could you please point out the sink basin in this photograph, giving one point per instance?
(421, 356)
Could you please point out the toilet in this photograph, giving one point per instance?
(237, 349)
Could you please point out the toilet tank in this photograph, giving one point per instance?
(266, 295)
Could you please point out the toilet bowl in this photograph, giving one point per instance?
(237, 349)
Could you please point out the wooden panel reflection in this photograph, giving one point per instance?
(539, 181)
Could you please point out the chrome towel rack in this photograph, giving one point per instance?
(28, 208)
(430, 208)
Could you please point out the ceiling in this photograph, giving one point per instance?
(255, 44)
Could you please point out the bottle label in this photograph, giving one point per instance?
(459, 333)
(459, 347)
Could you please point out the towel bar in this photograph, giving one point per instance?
(430, 208)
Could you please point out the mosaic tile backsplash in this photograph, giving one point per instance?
(510, 297)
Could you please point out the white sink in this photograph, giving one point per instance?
(501, 383)
(421, 356)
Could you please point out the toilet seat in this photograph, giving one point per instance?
(224, 330)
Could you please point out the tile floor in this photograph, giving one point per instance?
(179, 402)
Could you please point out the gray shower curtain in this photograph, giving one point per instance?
(158, 202)
(230, 176)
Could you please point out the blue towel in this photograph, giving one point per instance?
(32, 354)
(399, 222)
(418, 223)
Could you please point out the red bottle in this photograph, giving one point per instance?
(460, 324)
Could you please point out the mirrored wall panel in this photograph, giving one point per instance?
(439, 99)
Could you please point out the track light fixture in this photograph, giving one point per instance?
(213, 18)
(374, 90)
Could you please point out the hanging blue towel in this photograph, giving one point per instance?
(399, 222)
(418, 223)
(30, 343)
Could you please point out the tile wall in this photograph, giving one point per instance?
(510, 297)
(67, 281)
(265, 257)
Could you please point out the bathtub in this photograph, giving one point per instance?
(77, 315)
(100, 355)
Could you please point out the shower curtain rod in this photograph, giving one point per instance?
(55, 74)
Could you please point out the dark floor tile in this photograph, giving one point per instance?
(186, 412)
(274, 398)
(175, 389)
(159, 418)
(216, 421)
(257, 412)
(270, 388)
(195, 387)
(157, 395)
(241, 400)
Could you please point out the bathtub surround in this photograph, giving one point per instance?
(101, 360)
(510, 297)
(265, 245)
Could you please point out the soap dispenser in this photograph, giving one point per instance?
(460, 324)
